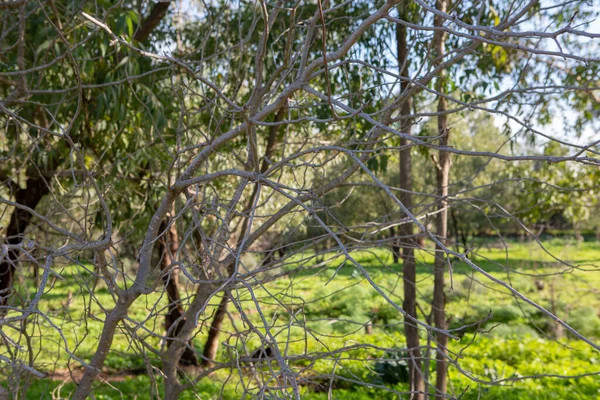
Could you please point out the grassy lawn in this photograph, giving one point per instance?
(506, 339)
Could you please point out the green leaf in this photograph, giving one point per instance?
(129, 26)
(44, 46)
(122, 62)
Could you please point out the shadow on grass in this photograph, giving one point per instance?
(514, 265)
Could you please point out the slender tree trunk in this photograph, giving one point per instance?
(172, 386)
(212, 341)
(410, 286)
(36, 189)
(168, 246)
(395, 244)
(442, 178)
(439, 297)
(428, 347)
(417, 384)
(559, 331)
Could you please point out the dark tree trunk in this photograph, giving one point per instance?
(415, 369)
(151, 22)
(168, 246)
(211, 346)
(395, 247)
(442, 179)
(36, 189)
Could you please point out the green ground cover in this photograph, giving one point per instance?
(507, 339)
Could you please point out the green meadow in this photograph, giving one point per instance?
(319, 306)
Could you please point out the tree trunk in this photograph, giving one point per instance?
(168, 246)
(415, 369)
(36, 189)
(211, 346)
(151, 22)
(369, 328)
(442, 178)
(84, 386)
(395, 246)
(559, 331)
(439, 297)
(188, 325)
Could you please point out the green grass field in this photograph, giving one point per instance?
(516, 344)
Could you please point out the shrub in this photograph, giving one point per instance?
(511, 331)
(506, 314)
(394, 369)
(585, 321)
(352, 302)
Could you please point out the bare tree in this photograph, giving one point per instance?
(244, 121)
